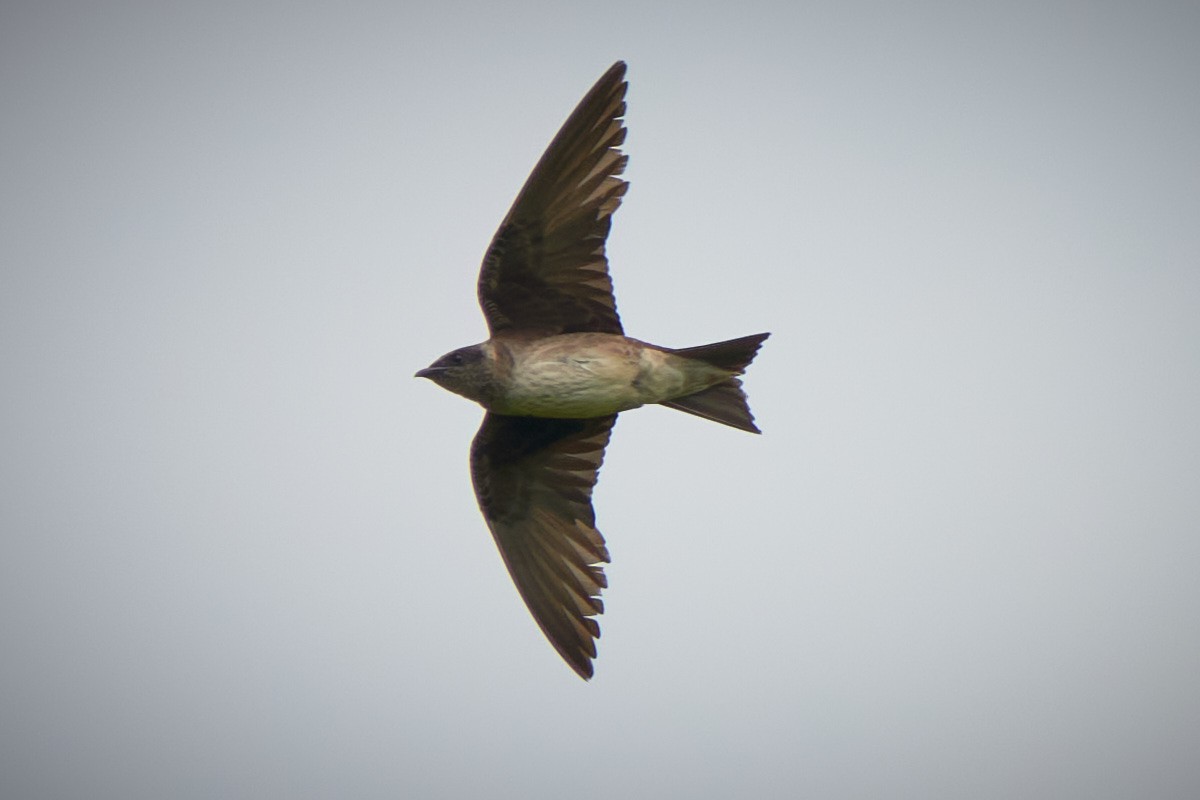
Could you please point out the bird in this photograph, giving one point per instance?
(557, 369)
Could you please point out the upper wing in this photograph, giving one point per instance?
(546, 269)
(533, 478)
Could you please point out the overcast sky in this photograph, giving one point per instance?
(239, 552)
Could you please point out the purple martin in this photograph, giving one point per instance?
(558, 369)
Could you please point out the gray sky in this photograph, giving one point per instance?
(240, 556)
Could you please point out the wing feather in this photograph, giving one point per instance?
(546, 268)
(534, 478)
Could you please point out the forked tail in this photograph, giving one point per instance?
(724, 402)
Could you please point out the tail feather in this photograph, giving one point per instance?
(724, 402)
(733, 355)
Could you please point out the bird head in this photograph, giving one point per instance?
(466, 371)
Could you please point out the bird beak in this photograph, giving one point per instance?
(428, 372)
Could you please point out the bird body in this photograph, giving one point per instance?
(579, 375)
(558, 368)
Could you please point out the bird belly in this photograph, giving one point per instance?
(573, 386)
(590, 376)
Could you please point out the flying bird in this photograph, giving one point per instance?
(558, 368)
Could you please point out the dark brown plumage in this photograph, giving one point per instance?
(546, 270)
(558, 368)
(533, 479)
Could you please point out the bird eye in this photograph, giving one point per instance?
(456, 359)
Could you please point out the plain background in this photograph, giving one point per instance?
(240, 556)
